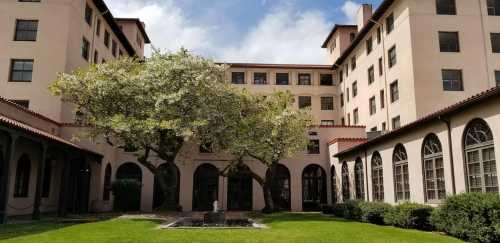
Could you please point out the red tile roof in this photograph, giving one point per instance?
(336, 140)
(24, 109)
(447, 111)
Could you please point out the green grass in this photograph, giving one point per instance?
(283, 228)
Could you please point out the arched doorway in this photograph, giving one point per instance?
(127, 188)
(240, 189)
(281, 188)
(107, 183)
(168, 200)
(23, 174)
(313, 188)
(205, 187)
(480, 159)
(333, 181)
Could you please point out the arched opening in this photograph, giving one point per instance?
(480, 157)
(47, 177)
(346, 191)
(168, 199)
(432, 159)
(313, 188)
(240, 189)
(205, 187)
(23, 173)
(107, 183)
(79, 187)
(127, 188)
(281, 188)
(401, 176)
(359, 179)
(333, 183)
(377, 177)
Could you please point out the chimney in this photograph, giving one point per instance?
(364, 15)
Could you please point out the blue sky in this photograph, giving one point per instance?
(270, 31)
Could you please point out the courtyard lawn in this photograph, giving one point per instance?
(283, 228)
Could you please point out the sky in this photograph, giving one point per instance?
(265, 31)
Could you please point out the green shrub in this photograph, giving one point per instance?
(374, 212)
(472, 216)
(327, 208)
(348, 210)
(410, 216)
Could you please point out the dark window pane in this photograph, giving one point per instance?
(326, 79)
(380, 67)
(493, 7)
(452, 80)
(282, 78)
(369, 45)
(497, 77)
(449, 42)
(394, 91)
(396, 122)
(354, 89)
(313, 146)
(495, 42)
(238, 77)
(392, 56)
(23, 103)
(304, 79)
(326, 103)
(260, 78)
(85, 49)
(106, 38)
(389, 23)
(21, 70)
(373, 106)
(371, 75)
(304, 101)
(88, 14)
(26, 30)
(446, 7)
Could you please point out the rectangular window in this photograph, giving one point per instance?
(373, 129)
(369, 45)
(392, 56)
(396, 122)
(495, 42)
(446, 7)
(113, 48)
(260, 78)
(355, 116)
(106, 38)
(23, 103)
(21, 70)
(341, 76)
(373, 106)
(342, 121)
(327, 123)
(347, 95)
(282, 79)
(342, 100)
(493, 7)
(29, 1)
(26, 30)
(380, 67)
(304, 101)
(96, 57)
(382, 99)
(371, 74)
(379, 35)
(313, 146)
(85, 49)
(304, 79)
(353, 63)
(449, 42)
(326, 79)
(346, 70)
(88, 14)
(237, 77)
(497, 77)
(452, 80)
(327, 103)
(348, 119)
(389, 23)
(384, 126)
(354, 89)
(394, 91)
(98, 28)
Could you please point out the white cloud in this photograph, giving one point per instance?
(284, 35)
(350, 10)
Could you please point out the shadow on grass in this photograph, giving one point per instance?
(22, 229)
(301, 217)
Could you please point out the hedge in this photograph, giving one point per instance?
(410, 216)
(374, 212)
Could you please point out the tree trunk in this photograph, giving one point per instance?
(268, 198)
(165, 190)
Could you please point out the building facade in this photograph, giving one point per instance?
(410, 87)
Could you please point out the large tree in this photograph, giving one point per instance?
(152, 106)
(268, 130)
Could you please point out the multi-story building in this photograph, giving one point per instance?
(393, 71)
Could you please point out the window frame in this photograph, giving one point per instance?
(452, 81)
(445, 10)
(313, 147)
(432, 153)
(85, 49)
(377, 177)
(359, 181)
(16, 30)
(400, 160)
(369, 45)
(394, 92)
(327, 103)
(354, 89)
(389, 23)
(261, 80)
(88, 14)
(11, 70)
(447, 47)
(392, 56)
(372, 103)
(283, 75)
(371, 74)
(321, 79)
(396, 122)
(234, 76)
(308, 80)
(492, 9)
(495, 42)
(497, 77)
(300, 101)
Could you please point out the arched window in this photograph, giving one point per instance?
(359, 179)
(313, 188)
(281, 188)
(432, 154)
(377, 177)
(107, 183)
(401, 176)
(480, 157)
(128, 198)
(205, 187)
(333, 181)
(23, 172)
(346, 193)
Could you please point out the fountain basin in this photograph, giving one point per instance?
(196, 223)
